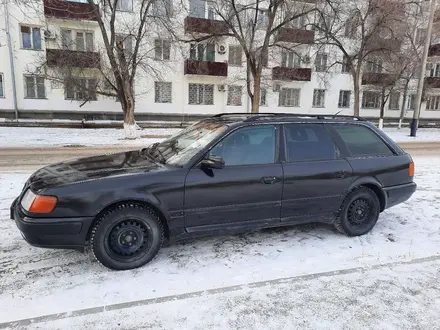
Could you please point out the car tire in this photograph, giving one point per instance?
(359, 212)
(127, 236)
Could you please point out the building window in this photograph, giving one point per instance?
(374, 66)
(319, 98)
(162, 92)
(263, 96)
(234, 95)
(124, 5)
(30, 37)
(262, 19)
(394, 101)
(290, 59)
(344, 99)
(433, 103)
(235, 55)
(77, 40)
(162, 49)
(202, 52)
(321, 62)
(81, 89)
(433, 69)
(201, 94)
(2, 87)
(34, 87)
(371, 100)
(351, 27)
(289, 97)
(263, 56)
(162, 8)
(411, 102)
(345, 65)
(420, 35)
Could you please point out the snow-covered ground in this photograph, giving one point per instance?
(36, 282)
(41, 136)
(11, 137)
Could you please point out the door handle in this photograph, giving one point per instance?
(340, 174)
(269, 179)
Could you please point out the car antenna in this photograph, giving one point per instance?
(337, 113)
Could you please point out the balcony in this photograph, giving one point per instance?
(434, 50)
(291, 74)
(385, 45)
(69, 10)
(378, 79)
(432, 82)
(205, 68)
(62, 57)
(206, 26)
(299, 36)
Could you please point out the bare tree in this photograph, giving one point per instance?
(359, 31)
(259, 28)
(109, 66)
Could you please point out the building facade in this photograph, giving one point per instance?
(195, 78)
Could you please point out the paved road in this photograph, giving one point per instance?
(28, 159)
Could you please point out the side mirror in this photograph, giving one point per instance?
(213, 162)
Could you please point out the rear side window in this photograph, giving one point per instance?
(308, 143)
(362, 141)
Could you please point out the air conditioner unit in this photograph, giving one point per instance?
(221, 88)
(276, 87)
(221, 49)
(49, 35)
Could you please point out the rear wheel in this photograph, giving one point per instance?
(359, 212)
(126, 237)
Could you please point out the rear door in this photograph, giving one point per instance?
(315, 176)
(247, 190)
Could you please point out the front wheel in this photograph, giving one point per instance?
(359, 212)
(126, 237)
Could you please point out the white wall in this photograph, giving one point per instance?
(172, 71)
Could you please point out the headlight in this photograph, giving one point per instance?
(38, 203)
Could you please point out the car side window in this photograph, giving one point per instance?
(308, 142)
(362, 141)
(248, 146)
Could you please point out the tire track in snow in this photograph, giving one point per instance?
(216, 291)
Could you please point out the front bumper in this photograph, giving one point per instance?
(399, 194)
(62, 233)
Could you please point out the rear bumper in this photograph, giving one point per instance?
(399, 194)
(68, 233)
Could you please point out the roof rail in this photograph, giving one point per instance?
(256, 116)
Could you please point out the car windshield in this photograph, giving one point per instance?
(180, 148)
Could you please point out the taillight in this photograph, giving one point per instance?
(43, 204)
(411, 169)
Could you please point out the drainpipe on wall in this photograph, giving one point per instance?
(11, 60)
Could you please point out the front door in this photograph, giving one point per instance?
(315, 177)
(249, 187)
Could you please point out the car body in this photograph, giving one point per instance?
(227, 173)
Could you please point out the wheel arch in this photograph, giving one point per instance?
(159, 212)
(375, 186)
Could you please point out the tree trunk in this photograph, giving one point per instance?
(402, 111)
(130, 127)
(382, 108)
(256, 95)
(356, 90)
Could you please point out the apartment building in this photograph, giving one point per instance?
(194, 78)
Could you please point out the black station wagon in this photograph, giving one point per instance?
(227, 173)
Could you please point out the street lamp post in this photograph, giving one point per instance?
(416, 115)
